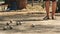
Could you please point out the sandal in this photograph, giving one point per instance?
(46, 18)
(54, 18)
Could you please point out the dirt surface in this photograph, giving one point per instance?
(40, 26)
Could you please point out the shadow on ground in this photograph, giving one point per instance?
(36, 29)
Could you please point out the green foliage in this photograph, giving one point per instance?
(58, 4)
(1, 0)
(43, 5)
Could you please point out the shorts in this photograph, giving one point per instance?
(50, 0)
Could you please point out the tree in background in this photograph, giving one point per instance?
(58, 4)
(1, 0)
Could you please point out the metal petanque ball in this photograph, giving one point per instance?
(7, 28)
(19, 23)
(10, 27)
(7, 23)
(11, 22)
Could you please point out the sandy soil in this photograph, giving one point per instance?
(41, 26)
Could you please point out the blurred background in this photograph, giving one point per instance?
(35, 5)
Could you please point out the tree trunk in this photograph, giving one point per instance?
(21, 4)
(32, 2)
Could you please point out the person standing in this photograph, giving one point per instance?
(54, 6)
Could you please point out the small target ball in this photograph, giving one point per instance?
(32, 25)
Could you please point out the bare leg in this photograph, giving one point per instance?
(47, 9)
(54, 5)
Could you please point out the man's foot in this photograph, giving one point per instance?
(53, 17)
(46, 18)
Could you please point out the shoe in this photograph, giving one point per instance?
(53, 17)
(46, 18)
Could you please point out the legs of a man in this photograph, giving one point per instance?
(54, 5)
(47, 7)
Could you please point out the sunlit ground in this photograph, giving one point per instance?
(28, 18)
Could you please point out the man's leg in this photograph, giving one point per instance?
(54, 6)
(47, 8)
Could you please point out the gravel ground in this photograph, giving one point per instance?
(40, 26)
